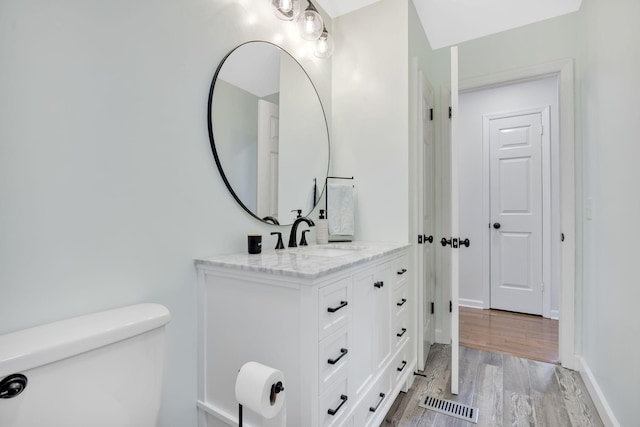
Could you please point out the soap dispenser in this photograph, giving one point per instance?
(322, 229)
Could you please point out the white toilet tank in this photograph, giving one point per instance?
(102, 369)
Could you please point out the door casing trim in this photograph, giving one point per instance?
(564, 70)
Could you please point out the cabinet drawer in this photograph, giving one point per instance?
(399, 301)
(370, 408)
(400, 364)
(401, 267)
(334, 405)
(400, 331)
(334, 309)
(333, 359)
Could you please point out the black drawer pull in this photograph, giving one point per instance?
(343, 352)
(379, 284)
(401, 303)
(335, 411)
(334, 309)
(404, 363)
(375, 408)
(401, 272)
(402, 333)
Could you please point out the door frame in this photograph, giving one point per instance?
(563, 69)
(550, 212)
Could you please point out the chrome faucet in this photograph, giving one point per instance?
(294, 230)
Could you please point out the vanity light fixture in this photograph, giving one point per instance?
(324, 45)
(286, 10)
(310, 23)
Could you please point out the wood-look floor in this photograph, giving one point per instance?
(507, 390)
(521, 335)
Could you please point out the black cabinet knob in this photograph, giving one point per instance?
(496, 225)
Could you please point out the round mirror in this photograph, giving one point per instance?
(268, 132)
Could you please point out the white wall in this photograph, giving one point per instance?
(235, 117)
(303, 136)
(370, 116)
(108, 185)
(474, 203)
(611, 176)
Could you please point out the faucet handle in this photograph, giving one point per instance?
(303, 239)
(279, 245)
(299, 211)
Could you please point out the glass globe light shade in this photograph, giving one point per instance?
(325, 45)
(310, 23)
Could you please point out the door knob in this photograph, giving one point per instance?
(496, 225)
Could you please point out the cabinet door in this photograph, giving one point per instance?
(384, 281)
(364, 318)
(371, 324)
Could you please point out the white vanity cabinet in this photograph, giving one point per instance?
(334, 327)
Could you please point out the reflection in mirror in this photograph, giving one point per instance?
(268, 132)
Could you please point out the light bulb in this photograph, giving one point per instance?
(286, 5)
(308, 24)
(324, 45)
(286, 10)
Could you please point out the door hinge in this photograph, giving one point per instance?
(423, 238)
(431, 114)
(450, 114)
(433, 307)
(450, 307)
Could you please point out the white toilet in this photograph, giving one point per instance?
(102, 369)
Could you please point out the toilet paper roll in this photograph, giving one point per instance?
(257, 389)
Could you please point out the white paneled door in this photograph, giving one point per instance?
(426, 252)
(268, 157)
(516, 180)
(454, 191)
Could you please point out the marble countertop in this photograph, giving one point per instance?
(308, 262)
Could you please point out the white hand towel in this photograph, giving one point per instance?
(341, 206)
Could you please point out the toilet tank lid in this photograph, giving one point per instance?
(37, 346)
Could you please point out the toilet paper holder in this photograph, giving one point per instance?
(275, 390)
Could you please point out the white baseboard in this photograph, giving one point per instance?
(604, 410)
(471, 303)
(554, 314)
(440, 338)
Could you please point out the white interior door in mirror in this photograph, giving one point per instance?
(268, 146)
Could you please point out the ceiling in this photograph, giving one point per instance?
(449, 22)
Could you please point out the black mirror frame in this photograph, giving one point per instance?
(212, 140)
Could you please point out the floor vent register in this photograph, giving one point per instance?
(448, 407)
